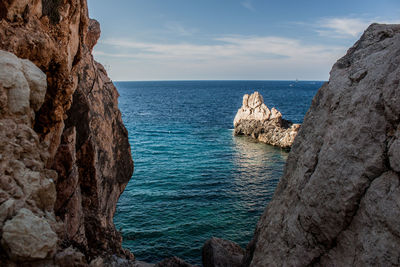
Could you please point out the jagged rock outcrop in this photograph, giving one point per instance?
(65, 156)
(27, 189)
(217, 252)
(256, 120)
(337, 203)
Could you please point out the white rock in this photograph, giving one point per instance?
(256, 120)
(24, 82)
(27, 236)
(37, 83)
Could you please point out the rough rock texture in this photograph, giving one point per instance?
(27, 189)
(256, 120)
(217, 252)
(337, 203)
(64, 151)
(173, 262)
(28, 237)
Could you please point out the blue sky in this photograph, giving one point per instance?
(230, 39)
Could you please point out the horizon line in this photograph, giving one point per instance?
(220, 80)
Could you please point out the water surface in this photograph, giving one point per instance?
(193, 179)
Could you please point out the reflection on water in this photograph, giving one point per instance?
(250, 153)
(258, 169)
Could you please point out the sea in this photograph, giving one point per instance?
(193, 178)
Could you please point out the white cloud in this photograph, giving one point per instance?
(225, 57)
(250, 47)
(177, 28)
(342, 27)
(346, 27)
(248, 4)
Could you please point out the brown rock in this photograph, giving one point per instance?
(217, 252)
(77, 127)
(256, 120)
(93, 34)
(337, 202)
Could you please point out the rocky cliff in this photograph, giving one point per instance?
(337, 203)
(256, 120)
(65, 156)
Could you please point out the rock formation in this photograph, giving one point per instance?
(217, 252)
(337, 203)
(173, 262)
(65, 156)
(256, 120)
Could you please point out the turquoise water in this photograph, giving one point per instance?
(193, 179)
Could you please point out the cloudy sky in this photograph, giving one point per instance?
(231, 39)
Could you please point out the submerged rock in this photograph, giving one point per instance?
(217, 252)
(337, 203)
(256, 120)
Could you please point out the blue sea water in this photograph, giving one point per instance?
(193, 179)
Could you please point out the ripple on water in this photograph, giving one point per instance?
(193, 179)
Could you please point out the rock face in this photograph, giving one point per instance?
(28, 237)
(173, 262)
(217, 252)
(256, 120)
(65, 156)
(337, 203)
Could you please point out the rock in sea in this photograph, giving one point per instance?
(256, 120)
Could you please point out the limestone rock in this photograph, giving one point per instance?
(337, 202)
(27, 236)
(23, 83)
(256, 120)
(64, 150)
(37, 83)
(27, 188)
(217, 252)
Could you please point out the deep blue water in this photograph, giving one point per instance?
(193, 179)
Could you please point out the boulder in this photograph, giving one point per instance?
(337, 203)
(217, 252)
(27, 236)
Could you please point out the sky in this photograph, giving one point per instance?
(146, 40)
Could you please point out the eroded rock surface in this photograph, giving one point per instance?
(26, 236)
(256, 120)
(173, 262)
(337, 203)
(64, 151)
(217, 252)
